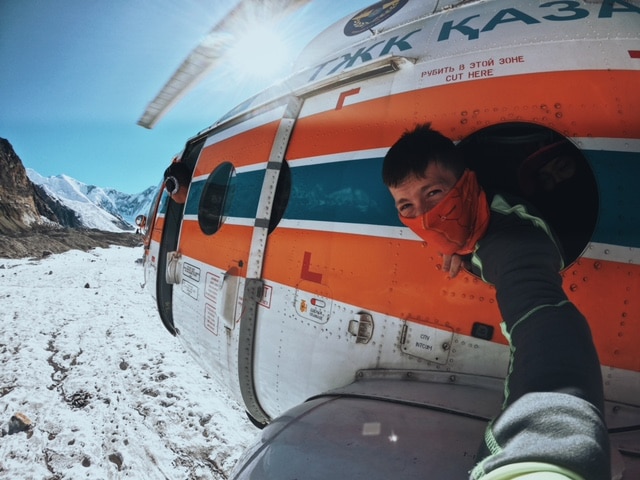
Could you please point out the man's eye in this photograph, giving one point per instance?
(433, 192)
(406, 210)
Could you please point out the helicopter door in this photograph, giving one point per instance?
(217, 266)
(273, 199)
(333, 161)
(172, 220)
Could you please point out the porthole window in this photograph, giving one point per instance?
(546, 169)
(215, 197)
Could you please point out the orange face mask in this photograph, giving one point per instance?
(456, 223)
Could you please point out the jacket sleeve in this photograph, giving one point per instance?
(559, 430)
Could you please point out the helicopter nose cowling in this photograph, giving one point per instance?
(359, 436)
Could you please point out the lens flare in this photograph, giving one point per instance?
(259, 51)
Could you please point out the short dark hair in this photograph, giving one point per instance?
(180, 171)
(415, 150)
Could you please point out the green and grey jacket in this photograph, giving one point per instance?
(553, 404)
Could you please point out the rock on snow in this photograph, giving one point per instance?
(99, 388)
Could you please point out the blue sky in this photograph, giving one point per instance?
(75, 76)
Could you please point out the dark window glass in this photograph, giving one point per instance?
(544, 168)
(215, 196)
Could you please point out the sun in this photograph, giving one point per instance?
(259, 51)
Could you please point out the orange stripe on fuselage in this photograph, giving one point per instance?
(227, 248)
(574, 103)
(401, 278)
(607, 294)
(246, 148)
(411, 284)
(408, 282)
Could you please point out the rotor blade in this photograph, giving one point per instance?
(206, 55)
(193, 68)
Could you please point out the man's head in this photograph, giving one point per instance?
(176, 180)
(420, 169)
(436, 196)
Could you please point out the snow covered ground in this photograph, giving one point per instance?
(110, 394)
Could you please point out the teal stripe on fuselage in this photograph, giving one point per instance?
(242, 197)
(352, 192)
(347, 192)
(618, 177)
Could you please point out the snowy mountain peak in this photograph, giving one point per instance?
(97, 207)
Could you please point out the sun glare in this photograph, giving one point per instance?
(259, 51)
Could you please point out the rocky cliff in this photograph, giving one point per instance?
(17, 197)
(32, 223)
(23, 205)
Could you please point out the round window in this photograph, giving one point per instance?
(214, 198)
(546, 169)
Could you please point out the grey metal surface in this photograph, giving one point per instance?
(378, 428)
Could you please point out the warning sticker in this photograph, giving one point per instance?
(313, 302)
